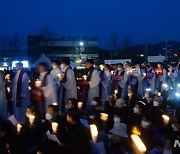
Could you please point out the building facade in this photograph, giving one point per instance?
(77, 49)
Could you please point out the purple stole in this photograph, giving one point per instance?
(90, 74)
(150, 74)
(101, 75)
(19, 86)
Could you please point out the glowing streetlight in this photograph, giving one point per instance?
(81, 43)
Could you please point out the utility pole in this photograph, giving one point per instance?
(166, 49)
(146, 48)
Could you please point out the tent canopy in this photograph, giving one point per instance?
(42, 58)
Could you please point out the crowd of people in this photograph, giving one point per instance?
(95, 110)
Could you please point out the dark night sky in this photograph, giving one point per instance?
(160, 19)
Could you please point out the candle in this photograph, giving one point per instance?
(31, 119)
(165, 119)
(104, 116)
(115, 92)
(165, 85)
(144, 74)
(54, 126)
(29, 87)
(19, 126)
(80, 104)
(159, 94)
(8, 89)
(148, 89)
(38, 83)
(85, 77)
(59, 76)
(7, 76)
(139, 145)
(94, 132)
(54, 104)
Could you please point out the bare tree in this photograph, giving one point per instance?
(47, 32)
(114, 44)
(126, 46)
(126, 43)
(11, 42)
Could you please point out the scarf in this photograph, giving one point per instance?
(19, 88)
(101, 75)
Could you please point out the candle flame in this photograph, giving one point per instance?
(136, 131)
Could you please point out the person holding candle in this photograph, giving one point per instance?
(92, 81)
(109, 75)
(131, 99)
(150, 134)
(172, 76)
(109, 110)
(52, 115)
(127, 79)
(136, 116)
(120, 72)
(48, 88)
(103, 84)
(160, 76)
(77, 135)
(158, 109)
(55, 69)
(140, 76)
(56, 73)
(31, 133)
(68, 83)
(94, 113)
(20, 93)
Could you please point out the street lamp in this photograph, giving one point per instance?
(81, 43)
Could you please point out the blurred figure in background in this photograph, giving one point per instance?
(21, 96)
(68, 84)
(109, 75)
(56, 75)
(48, 89)
(92, 81)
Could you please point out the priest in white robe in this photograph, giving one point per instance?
(20, 93)
(110, 76)
(124, 84)
(56, 74)
(48, 88)
(68, 84)
(104, 80)
(3, 103)
(93, 81)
